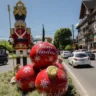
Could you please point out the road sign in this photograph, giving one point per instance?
(74, 46)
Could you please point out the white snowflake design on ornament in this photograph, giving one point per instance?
(44, 83)
(50, 59)
(62, 76)
(27, 69)
(19, 84)
(37, 58)
(31, 85)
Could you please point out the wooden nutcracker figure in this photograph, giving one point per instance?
(20, 33)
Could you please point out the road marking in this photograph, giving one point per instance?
(77, 81)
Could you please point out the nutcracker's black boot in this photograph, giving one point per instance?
(24, 61)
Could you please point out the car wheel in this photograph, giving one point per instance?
(5, 62)
(74, 66)
(93, 58)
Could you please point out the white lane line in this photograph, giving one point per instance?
(77, 81)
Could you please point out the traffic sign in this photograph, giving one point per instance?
(74, 46)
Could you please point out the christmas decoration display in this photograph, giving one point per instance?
(47, 75)
(44, 74)
(25, 78)
(52, 80)
(43, 54)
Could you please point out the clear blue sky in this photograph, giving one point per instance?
(54, 14)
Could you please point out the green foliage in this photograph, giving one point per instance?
(6, 89)
(62, 38)
(6, 44)
(68, 47)
(71, 89)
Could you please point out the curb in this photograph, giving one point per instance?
(80, 89)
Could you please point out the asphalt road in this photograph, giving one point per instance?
(9, 66)
(86, 76)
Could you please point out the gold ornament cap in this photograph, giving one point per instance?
(52, 71)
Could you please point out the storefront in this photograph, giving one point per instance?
(94, 41)
(82, 44)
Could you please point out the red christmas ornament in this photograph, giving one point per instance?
(52, 81)
(25, 78)
(59, 65)
(43, 54)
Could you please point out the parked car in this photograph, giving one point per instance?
(66, 54)
(3, 56)
(90, 54)
(79, 58)
(76, 51)
(82, 50)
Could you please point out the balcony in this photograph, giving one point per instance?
(80, 36)
(82, 21)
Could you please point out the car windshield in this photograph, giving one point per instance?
(2, 51)
(89, 52)
(81, 55)
(66, 52)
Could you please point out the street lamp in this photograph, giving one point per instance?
(12, 42)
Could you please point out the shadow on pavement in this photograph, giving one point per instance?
(84, 67)
(93, 60)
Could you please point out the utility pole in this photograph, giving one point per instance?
(10, 35)
(73, 33)
(9, 16)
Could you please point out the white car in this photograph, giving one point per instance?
(66, 54)
(79, 58)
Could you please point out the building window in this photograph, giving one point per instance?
(94, 45)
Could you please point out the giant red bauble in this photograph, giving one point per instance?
(52, 81)
(25, 78)
(61, 66)
(43, 54)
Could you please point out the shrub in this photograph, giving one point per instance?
(68, 47)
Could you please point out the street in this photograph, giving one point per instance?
(9, 66)
(86, 76)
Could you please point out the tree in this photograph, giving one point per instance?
(62, 38)
(6, 44)
(68, 47)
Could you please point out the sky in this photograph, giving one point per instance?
(54, 14)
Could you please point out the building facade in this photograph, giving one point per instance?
(87, 25)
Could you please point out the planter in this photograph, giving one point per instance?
(7, 89)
